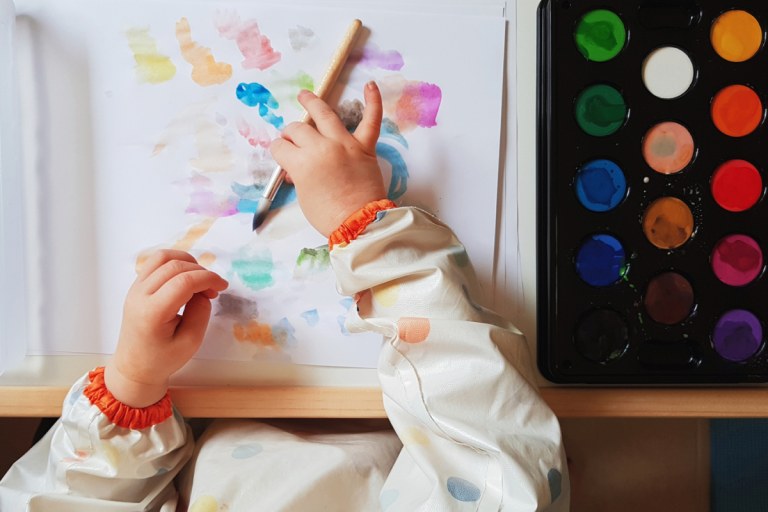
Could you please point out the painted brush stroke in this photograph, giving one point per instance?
(286, 89)
(398, 183)
(255, 270)
(300, 37)
(213, 154)
(256, 95)
(250, 195)
(311, 316)
(372, 57)
(205, 69)
(256, 136)
(152, 67)
(204, 201)
(256, 48)
(193, 234)
(312, 261)
(235, 306)
(255, 333)
(410, 103)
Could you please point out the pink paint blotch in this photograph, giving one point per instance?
(205, 202)
(256, 136)
(256, 48)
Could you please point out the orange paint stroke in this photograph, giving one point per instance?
(206, 259)
(205, 69)
(255, 333)
(194, 234)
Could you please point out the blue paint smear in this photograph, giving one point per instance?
(601, 260)
(250, 195)
(343, 328)
(399, 183)
(284, 333)
(390, 130)
(600, 185)
(311, 316)
(256, 95)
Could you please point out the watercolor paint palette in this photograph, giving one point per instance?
(652, 170)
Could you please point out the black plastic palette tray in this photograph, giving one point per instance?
(659, 313)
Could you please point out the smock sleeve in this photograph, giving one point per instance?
(101, 455)
(457, 379)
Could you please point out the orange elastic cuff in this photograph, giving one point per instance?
(119, 413)
(358, 221)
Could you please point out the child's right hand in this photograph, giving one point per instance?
(335, 172)
(155, 340)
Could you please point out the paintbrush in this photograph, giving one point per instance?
(326, 84)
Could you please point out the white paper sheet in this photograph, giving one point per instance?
(177, 155)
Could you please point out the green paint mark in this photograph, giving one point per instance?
(304, 81)
(255, 272)
(600, 110)
(311, 261)
(600, 35)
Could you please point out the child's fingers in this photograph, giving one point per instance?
(159, 258)
(165, 273)
(284, 152)
(194, 321)
(301, 134)
(367, 132)
(326, 120)
(180, 289)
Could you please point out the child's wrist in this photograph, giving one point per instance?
(356, 223)
(131, 392)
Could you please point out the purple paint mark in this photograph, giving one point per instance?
(372, 57)
(255, 47)
(203, 201)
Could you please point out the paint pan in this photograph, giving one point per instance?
(651, 191)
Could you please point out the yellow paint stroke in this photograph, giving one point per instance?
(151, 66)
(194, 234)
(205, 69)
(212, 153)
(255, 333)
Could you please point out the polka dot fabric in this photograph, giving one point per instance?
(456, 386)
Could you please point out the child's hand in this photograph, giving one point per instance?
(335, 172)
(155, 341)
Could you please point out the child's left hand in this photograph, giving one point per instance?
(155, 340)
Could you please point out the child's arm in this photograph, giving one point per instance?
(457, 381)
(118, 444)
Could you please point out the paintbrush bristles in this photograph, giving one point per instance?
(262, 209)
